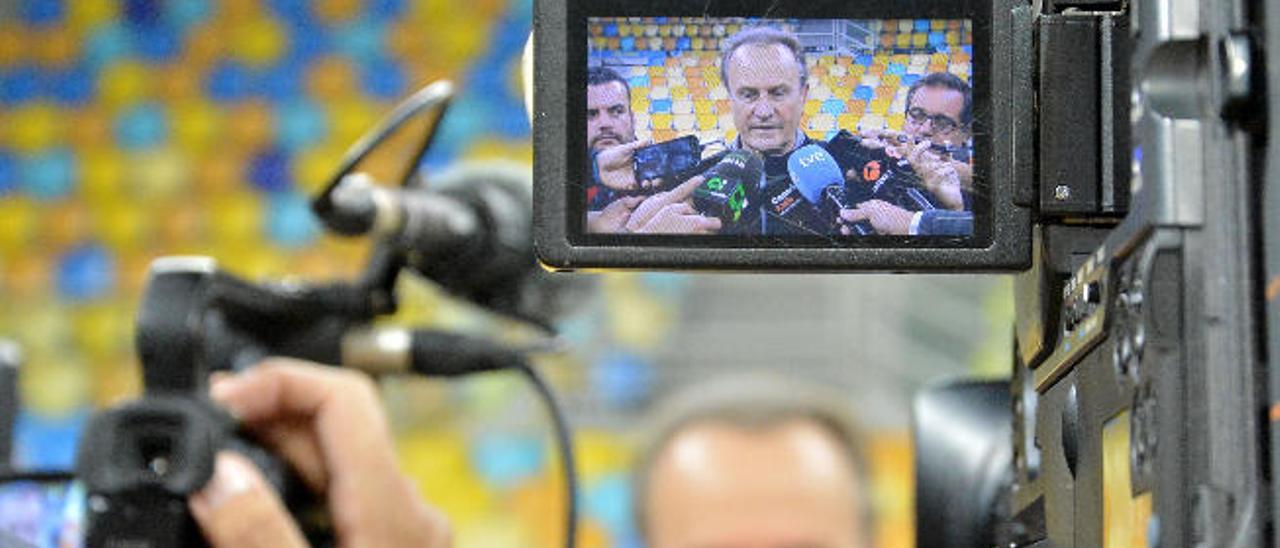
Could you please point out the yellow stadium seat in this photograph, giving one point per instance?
(938, 59)
(698, 44)
(900, 58)
(703, 106)
(895, 121)
(707, 122)
(903, 40)
(660, 121)
(664, 31)
(660, 135)
(679, 92)
(848, 120)
(639, 100)
(811, 107)
(891, 80)
(879, 106)
(953, 38)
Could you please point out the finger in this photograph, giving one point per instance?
(630, 202)
(657, 182)
(294, 440)
(681, 208)
(855, 215)
(340, 406)
(707, 225)
(844, 229)
(238, 509)
(630, 148)
(685, 189)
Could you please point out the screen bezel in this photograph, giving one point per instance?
(1002, 243)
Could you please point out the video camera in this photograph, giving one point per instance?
(1123, 165)
(141, 460)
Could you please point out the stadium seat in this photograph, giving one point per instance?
(660, 106)
(833, 106)
(818, 91)
(707, 122)
(682, 106)
(703, 106)
(812, 107)
(660, 121)
(684, 123)
(848, 120)
(922, 25)
(822, 123)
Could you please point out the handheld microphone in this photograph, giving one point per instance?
(821, 181)
(724, 192)
(471, 232)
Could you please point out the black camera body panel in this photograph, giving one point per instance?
(1001, 238)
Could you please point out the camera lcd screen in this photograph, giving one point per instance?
(817, 132)
(41, 511)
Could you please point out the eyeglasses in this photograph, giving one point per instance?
(941, 122)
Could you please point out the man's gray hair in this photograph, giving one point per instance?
(762, 36)
(752, 402)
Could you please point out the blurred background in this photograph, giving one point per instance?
(133, 129)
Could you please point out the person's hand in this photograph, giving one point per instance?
(329, 425)
(937, 175)
(617, 169)
(653, 204)
(613, 218)
(680, 218)
(886, 218)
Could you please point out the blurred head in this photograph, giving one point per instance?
(764, 72)
(940, 108)
(609, 119)
(752, 463)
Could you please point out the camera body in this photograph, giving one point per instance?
(1126, 170)
(139, 461)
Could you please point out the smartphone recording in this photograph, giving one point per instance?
(782, 139)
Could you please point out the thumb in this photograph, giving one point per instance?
(238, 509)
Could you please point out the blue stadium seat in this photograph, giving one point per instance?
(922, 25)
(896, 68)
(909, 79)
(611, 30)
(863, 59)
(660, 106)
(638, 81)
(628, 43)
(865, 93)
(937, 39)
(684, 43)
(833, 106)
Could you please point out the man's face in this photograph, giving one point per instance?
(934, 114)
(767, 97)
(609, 120)
(719, 486)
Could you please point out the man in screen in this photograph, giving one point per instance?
(939, 114)
(752, 462)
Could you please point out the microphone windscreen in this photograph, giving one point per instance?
(812, 170)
